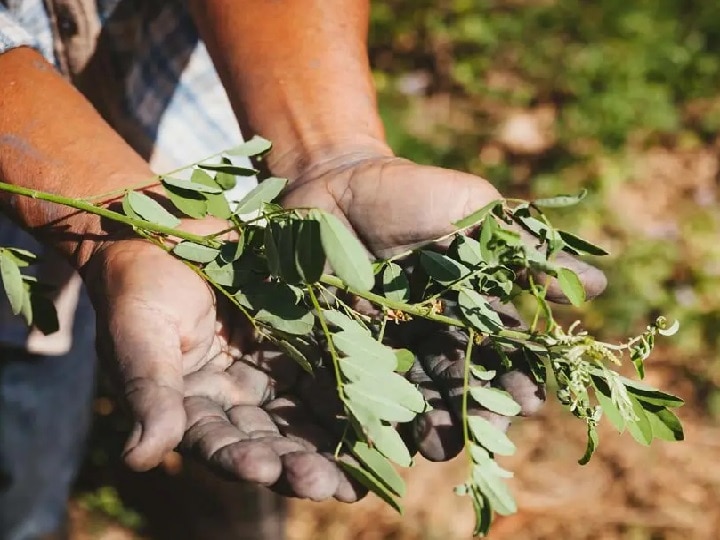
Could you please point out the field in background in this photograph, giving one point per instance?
(542, 97)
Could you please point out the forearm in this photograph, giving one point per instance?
(51, 139)
(297, 73)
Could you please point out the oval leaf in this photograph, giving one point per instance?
(362, 345)
(254, 147)
(190, 251)
(571, 286)
(346, 254)
(309, 253)
(478, 312)
(561, 201)
(495, 400)
(264, 192)
(189, 185)
(441, 268)
(405, 360)
(12, 282)
(150, 210)
(395, 283)
(384, 407)
(492, 438)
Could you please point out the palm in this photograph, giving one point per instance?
(192, 372)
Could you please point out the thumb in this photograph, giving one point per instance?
(146, 354)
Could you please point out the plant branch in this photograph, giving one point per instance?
(82, 205)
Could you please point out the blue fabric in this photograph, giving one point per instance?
(45, 410)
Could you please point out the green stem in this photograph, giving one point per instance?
(152, 181)
(466, 389)
(416, 310)
(79, 204)
(381, 334)
(331, 345)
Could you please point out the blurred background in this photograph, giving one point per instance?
(544, 97)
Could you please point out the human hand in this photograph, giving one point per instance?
(394, 205)
(193, 376)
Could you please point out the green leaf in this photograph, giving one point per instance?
(189, 185)
(492, 438)
(592, 443)
(271, 249)
(345, 253)
(467, 250)
(482, 374)
(278, 306)
(254, 147)
(604, 398)
(487, 231)
(395, 283)
(12, 282)
(441, 268)
(478, 312)
(228, 168)
(665, 425)
(535, 362)
(341, 320)
(309, 254)
(217, 204)
(477, 216)
(264, 192)
(388, 442)
(298, 325)
(191, 203)
(362, 345)
(571, 286)
(190, 251)
(640, 429)
(483, 512)
(380, 467)
(287, 235)
(405, 360)
(648, 394)
(377, 381)
(295, 353)
(578, 246)
(224, 275)
(149, 209)
(670, 330)
(482, 457)
(371, 482)
(495, 400)
(27, 306)
(22, 257)
(232, 251)
(495, 489)
(225, 180)
(384, 407)
(561, 201)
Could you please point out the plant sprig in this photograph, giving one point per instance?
(273, 272)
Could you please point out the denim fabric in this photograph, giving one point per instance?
(45, 411)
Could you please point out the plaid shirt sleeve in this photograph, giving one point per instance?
(26, 27)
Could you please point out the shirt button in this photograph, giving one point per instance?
(67, 25)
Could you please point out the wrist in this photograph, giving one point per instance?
(309, 155)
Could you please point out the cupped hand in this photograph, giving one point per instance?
(194, 378)
(393, 205)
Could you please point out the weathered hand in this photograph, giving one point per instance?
(193, 376)
(393, 205)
